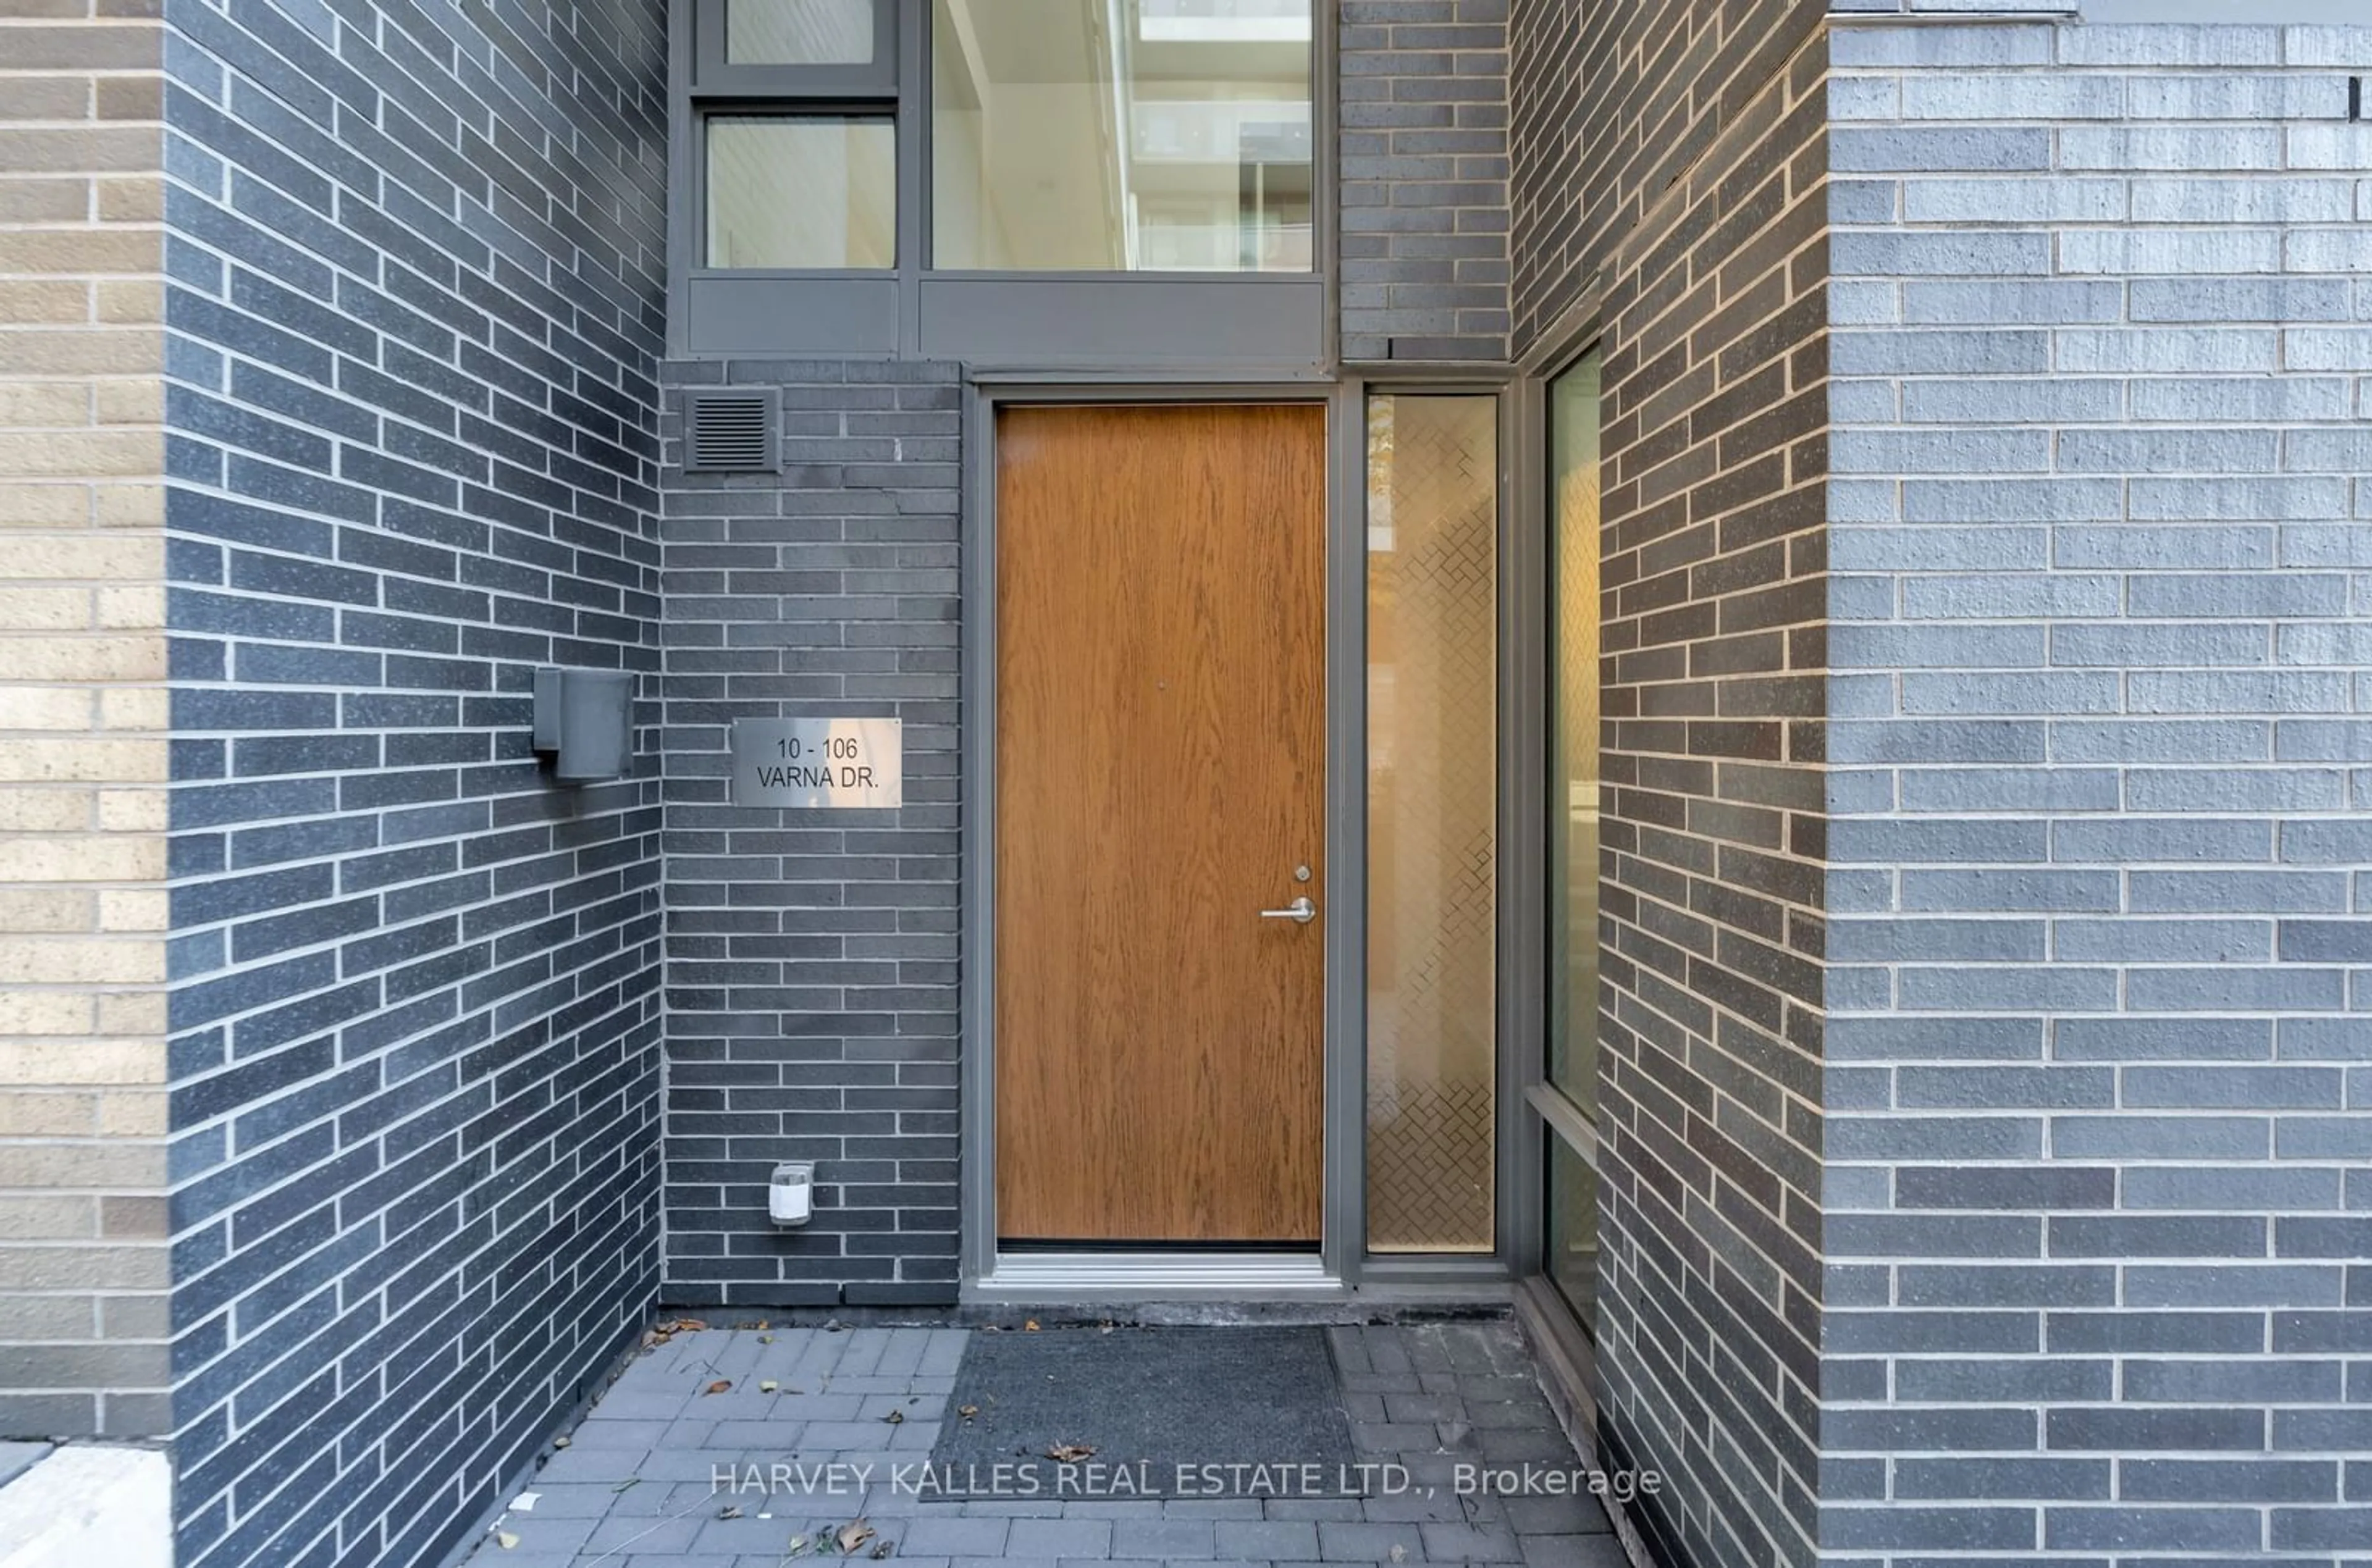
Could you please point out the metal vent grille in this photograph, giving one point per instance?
(730, 433)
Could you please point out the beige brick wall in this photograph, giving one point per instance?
(82, 721)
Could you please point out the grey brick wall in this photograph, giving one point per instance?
(2098, 936)
(811, 956)
(1619, 103)
(1423, 193)
(414, 318)
(1715, 603)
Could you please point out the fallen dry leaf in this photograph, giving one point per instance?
(1029, 1325)
(730, 1511)
(562, 1442)
(854, 1534)
(505, 1540)
(720, 1385)
(1069, 1453)
(882, 1549)
(1400, 1553)
(967, 1411)
(896, 1418)
(768, 1385)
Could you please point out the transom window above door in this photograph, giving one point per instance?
(1120, 135)
(1003, 181)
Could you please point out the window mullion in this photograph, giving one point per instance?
(1566, 1119)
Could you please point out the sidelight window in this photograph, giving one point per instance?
(1433, 608)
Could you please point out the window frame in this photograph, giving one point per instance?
(1228, 326)
(713, 75)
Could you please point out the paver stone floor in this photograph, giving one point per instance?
(815, 1429)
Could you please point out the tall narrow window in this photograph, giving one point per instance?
(1433, 514)
(1120, 135)
(1573, 783)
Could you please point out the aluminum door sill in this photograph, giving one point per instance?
(1047, 1276)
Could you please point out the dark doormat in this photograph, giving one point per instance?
(1148, 1412)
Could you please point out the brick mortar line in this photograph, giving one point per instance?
(227, 1021)
(460, 1266)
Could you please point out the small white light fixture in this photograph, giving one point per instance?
(790, 1192)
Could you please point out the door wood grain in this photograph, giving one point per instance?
(1161, 735)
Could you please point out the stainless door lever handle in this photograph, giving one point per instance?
(1301, 910)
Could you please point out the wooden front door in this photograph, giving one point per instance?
(1160, 777)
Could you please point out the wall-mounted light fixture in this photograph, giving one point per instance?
(585, 722)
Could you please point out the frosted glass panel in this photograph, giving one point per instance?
(810, 192)
(1574, 769)
(1120, 135)
(1433, 602)
(798, 32)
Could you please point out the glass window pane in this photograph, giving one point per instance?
(1571, 1231)
(1120, 135)
(788, 191)
(1433, 512)
(1574, 779)
(798, 32)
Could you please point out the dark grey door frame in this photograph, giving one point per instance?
(1345, 743)
(1522, 826)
